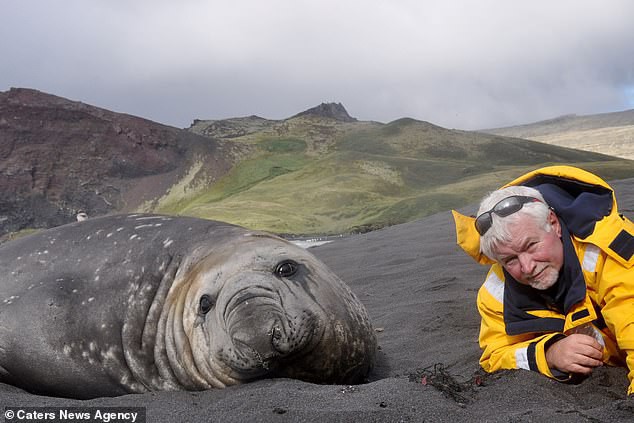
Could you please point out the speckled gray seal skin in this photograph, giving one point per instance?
(135, 303)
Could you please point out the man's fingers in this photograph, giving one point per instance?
(586, 340)
(591, 352)
(583, 364)
(577, 353)
(575, 368)
(589, 361)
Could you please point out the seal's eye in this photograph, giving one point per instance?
(286, 268)
(206, 303)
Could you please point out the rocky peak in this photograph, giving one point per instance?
(329, 110)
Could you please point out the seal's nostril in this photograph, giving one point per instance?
(277, 333)
(279, 340)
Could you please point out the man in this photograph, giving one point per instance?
(559, 297)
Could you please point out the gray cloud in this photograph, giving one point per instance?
(459, 64)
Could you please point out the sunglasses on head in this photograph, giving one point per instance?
(504, 208)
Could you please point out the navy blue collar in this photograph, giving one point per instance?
(579, 205)
(569, 289)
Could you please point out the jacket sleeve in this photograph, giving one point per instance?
(502, 351)
(616, 282)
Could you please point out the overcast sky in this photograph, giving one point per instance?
(466, 64)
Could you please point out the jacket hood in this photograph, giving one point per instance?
(580, 207)
(579, 198)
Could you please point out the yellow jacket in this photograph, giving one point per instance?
(598, 299)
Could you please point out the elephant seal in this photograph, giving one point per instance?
(136, 303)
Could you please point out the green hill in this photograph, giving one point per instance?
(314, 174)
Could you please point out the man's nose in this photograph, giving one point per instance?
(527, 264)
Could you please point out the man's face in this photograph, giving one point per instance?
(534, 257)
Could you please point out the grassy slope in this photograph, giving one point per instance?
(316, 176)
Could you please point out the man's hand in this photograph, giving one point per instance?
(576, 353)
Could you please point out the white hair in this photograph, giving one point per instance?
(499, 230)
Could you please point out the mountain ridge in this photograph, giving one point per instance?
(316, 172)
(610, 133)
(365, 175)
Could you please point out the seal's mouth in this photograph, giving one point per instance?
(263, 333)
(251, 360)
(297, 334)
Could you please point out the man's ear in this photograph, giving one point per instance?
(554, 222)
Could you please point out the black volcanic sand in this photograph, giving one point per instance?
(420, 291)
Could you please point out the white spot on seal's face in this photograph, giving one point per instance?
(164, 218)
(11, 299)
(155, 225)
